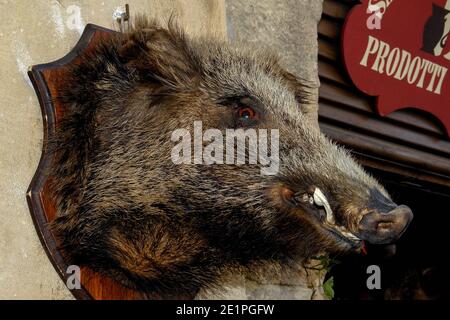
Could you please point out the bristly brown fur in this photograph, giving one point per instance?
(126, 210)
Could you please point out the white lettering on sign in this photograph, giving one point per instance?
(377, 9)
(401, 65)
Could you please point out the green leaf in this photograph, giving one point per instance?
(328, 288)
(325, 263)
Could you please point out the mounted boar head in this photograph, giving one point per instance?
(128, 210)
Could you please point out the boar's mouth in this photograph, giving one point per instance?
(380, 222)
(321, 203)
(316, 204)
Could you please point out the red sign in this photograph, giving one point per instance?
(398, 51)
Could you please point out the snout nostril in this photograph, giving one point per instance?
(385, 225)
(377, 227)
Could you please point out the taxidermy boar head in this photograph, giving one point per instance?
(128, 210)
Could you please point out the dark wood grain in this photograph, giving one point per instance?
(336, 9)
(329, 28)
(348, 98)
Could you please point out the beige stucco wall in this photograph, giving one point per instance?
(42, 31)
(33, 32)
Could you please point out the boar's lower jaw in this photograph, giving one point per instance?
(316, 200)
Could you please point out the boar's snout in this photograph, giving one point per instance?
(384, 226)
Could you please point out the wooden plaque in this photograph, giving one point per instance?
(47, 79)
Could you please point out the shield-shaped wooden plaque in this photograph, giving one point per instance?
(47, 79)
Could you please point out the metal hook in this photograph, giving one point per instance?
(121, 17)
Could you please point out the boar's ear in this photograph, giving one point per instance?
(158, 54)
(305, 92)
(300, 87)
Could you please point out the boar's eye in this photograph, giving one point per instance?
(247, 113)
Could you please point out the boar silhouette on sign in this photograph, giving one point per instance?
(404, 62)
(437, 30)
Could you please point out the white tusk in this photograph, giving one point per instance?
(321, 201)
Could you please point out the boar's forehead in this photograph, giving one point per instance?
(229, 71)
